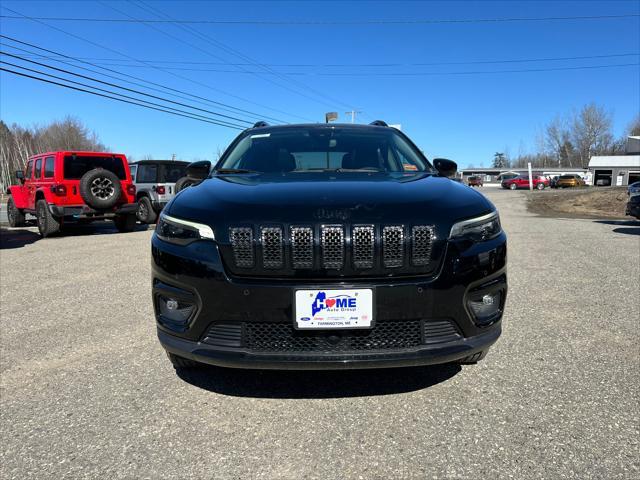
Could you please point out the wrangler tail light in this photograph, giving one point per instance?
(131, 189)
(60, 190)
(160, 189)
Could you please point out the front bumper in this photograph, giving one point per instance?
(86, 212)
(195, 275)
(633, 209)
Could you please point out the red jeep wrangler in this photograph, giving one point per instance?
(63, 187)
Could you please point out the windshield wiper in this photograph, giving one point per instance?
(234, 170)
(364, 169)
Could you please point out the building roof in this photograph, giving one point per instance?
(617, 161)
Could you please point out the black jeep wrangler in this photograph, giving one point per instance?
(327, 247)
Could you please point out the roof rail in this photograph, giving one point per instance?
(259, 124)
(379, 123)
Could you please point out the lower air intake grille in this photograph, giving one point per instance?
(224, 335)
(282, 337)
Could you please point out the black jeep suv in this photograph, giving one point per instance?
(327, 247)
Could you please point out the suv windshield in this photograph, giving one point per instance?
(336, 149)
(75, 166)
(567, 177)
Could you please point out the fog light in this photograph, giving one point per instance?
(174, 311)
(486, 309)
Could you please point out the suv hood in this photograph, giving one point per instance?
(328, 197)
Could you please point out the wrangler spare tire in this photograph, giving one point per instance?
(100, 188)
(183, 183)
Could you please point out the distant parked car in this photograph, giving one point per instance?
(522, 181)
(475, 181)
(633, 189)
(66, 187)
(570, 181)
(155, 181)
(633, 206)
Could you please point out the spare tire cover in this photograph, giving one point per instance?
(100, 188)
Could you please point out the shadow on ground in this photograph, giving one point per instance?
(629, 227)
(292, 384)
(19, 237)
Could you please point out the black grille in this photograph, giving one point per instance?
(388, 335)
(332, 241)
(422, 242)
(272, 255)
(364, 240)
(224, 335)
(242, 242)
(302, 247)
(393, 246)
(321, 251)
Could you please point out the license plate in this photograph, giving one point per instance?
(329, 309)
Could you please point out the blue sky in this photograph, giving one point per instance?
(466, 117)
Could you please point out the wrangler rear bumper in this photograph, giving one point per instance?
(84, 211)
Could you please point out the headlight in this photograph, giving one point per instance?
(182, 232)
(477, 229)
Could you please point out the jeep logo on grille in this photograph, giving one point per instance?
(332, 214)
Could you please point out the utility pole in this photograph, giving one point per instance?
(173, 157)
(353, 114)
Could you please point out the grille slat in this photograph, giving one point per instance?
(242, 243)
(302, 247)
(272, 247)
(393, 246)
(332, 242)
(422, 237)
(363, 240)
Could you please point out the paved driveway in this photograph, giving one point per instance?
(87, 392)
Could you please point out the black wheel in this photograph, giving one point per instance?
(100, 188)
(15, 215)
(47, 223)
(181, 362)
(125, 223)
(146, 213)
(183, 183)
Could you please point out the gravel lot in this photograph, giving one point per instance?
(86, 390)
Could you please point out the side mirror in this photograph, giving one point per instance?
(445, 167)
(199, 170)
(20, 175)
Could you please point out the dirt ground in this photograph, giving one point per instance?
(601, 202)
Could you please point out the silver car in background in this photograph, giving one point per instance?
(155, 182)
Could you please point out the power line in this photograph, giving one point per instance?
(199, 99)
(233, 52)
(331, 22)
(122, 88)
(111, 97)
(157, 68)
(373, 65)
(108, 91)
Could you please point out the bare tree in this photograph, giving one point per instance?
(591, 132)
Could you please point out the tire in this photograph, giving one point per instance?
(181, 362)
(183, 183)
(513, 186)
(47, 223)
(540, 186)
(100, 188)
(145, 212)
(125, 223)
(15, 215)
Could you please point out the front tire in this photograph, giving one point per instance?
(181, 362)
(15, 215)
(145, 212)
(513, 186)
(47, 223)
(125, 223)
